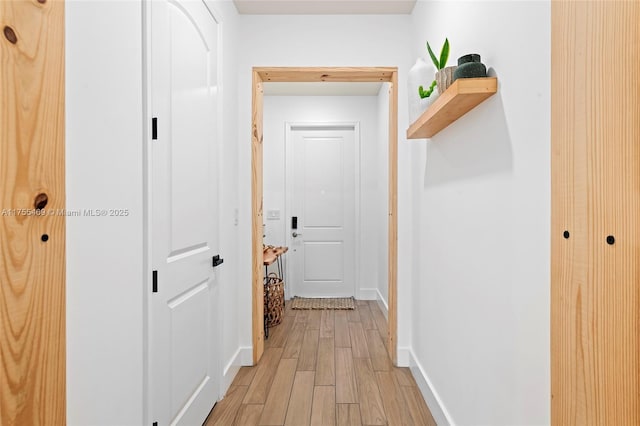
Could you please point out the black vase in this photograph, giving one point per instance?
(469, 66)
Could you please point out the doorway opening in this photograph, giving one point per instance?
(309, 75)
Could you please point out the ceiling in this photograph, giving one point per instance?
(321, 89)
(324, 7)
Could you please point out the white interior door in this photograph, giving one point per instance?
(324, 199)
(184, 209)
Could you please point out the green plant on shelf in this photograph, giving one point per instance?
(426, 93)
(439, 63)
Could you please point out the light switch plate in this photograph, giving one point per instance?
(273, 214)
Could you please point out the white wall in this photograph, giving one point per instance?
(106, 271)
(273, 40)
(104, 162)
(232, 353)
(278, 110)
(482, 222)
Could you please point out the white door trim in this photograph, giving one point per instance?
(147, 117)
(289, 161)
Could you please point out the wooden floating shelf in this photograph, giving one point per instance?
(461, 97)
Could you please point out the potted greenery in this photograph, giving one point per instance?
(444, 74)
(419, 74)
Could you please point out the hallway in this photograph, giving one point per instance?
(324, 368)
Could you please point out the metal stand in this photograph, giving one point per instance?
(266, 293)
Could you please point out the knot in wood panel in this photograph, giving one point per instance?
(10, 34)
(40, 201)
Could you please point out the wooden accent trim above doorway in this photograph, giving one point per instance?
(32, 225)
(319, 74)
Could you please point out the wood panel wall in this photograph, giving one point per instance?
(595, 265)
(32, 248)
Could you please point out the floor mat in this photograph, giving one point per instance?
(338, 303)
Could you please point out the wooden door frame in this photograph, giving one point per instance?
(305, 75)
(33, 342)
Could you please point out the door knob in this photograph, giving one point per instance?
(295, 234)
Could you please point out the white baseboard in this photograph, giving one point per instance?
(429, 393)
(246, 355)
(242, 356)
(227, 379)
(367, 294)
(382, 304)
(404, 357)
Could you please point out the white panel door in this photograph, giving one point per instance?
(184, 209)
(324, 201)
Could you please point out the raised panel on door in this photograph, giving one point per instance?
(595, 294)
(324, 200)
(331, 269)
(323, 181)
(184, 211)
(192, 112)
(189, 364)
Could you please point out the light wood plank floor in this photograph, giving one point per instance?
(324, 368)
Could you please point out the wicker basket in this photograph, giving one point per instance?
(273, 300)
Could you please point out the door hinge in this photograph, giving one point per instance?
(154, 128)
(155, 282)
